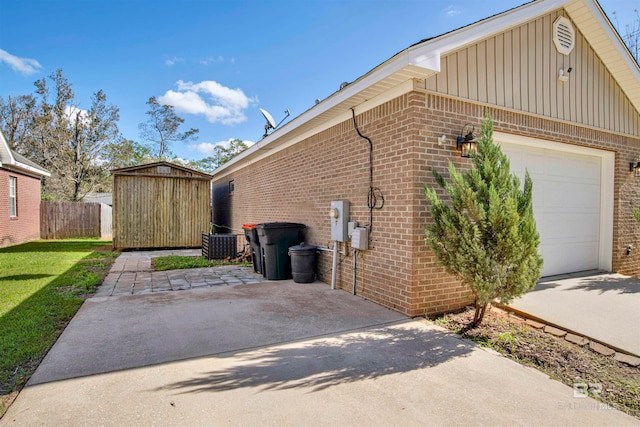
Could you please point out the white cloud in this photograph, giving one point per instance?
(172, 61)
(219, 59)
(452, 11)
(24, 66)
(73, 113)
(209, 148)
(219, 104)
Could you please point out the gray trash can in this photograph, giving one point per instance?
(275, 240)
(303, 262)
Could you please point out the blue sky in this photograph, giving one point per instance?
(217, 62)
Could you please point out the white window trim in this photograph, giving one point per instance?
(13, 197)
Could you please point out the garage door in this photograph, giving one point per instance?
(566, 204)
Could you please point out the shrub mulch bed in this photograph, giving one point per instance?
(612, 382)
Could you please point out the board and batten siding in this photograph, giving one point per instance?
(519, 69)
(152, 210)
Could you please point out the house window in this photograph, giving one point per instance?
(13, 199)
(232, 187)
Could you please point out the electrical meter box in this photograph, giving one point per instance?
(339, 214)
(360, 238)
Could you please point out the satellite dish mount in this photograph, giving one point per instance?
(271, 124)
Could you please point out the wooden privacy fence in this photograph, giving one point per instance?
(65, 220)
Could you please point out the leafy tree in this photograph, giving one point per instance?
(161, 128)
(221, 155)
(16, 114)
(71, 143)
(129, 153)
(487, 235)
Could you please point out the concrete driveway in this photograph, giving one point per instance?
(602, 306)
(281, 353)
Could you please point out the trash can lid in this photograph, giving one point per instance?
(280, 225)
(303, 247)
(248, 226)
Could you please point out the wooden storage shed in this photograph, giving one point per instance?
(160, 205)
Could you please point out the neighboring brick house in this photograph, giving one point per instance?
(564, 93)
(19, 196)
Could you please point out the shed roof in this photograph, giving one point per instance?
(134, 170)
(9, 159)
(422, 60)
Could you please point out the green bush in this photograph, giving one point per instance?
(486, 236)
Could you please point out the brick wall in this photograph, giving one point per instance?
(399, 271)
(26, 225)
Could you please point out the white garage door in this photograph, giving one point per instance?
(566, 202)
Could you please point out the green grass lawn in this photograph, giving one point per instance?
(178, 262)
(42, 286)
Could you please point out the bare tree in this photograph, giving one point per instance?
(161, 129)
(631, 34)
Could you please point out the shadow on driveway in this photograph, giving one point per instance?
(609, 283)
(320, 364)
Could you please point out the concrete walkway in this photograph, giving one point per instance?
(604, 307)
(281, 353)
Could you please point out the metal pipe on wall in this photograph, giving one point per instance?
(355, 267)
(334, 265)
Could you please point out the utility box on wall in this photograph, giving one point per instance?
(360, 238)
(339, 214)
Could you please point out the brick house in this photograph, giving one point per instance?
(564, 93)
(19, 196)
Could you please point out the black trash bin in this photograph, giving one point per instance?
(275, 240)
(303, 262)
(251, 234)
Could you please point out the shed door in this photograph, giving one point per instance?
(566, 204)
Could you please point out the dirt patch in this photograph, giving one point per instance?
(611, 382)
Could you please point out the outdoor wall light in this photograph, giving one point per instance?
(465, 142)
(635, 168)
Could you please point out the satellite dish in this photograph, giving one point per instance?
(271, 124)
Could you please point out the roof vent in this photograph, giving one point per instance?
(564, 36)
(164, 169)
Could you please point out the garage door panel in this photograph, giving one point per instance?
(563, 227)
(558, 256)
(578, 197)
(583, 196)
(566, 204)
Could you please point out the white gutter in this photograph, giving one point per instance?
(31, 169)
